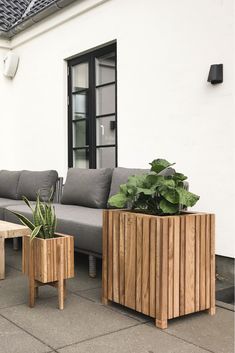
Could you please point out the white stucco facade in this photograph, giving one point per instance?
(166, 108)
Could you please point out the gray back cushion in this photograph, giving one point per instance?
(120, 176)
(31, 182)
(87, 187)
(9, 183)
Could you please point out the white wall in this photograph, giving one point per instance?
(166, 108)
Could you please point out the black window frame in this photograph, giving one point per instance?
(89, 57)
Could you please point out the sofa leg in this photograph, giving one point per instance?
(15, 243)
(92, 266)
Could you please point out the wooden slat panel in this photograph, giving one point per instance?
(212, 260)
(116, 257)
(182, 265)
(130, 261)
(152, 269)
(197, 263)
(145, 269)
(158, 267)
(202, 262)
(43, 256)
(170, 266)
(190, 265)
(105, 257)
(122, 258)
(176, 306)
(164, 270)
(139, 246)
(208, 257)
(110, 255)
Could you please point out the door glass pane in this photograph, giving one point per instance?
(105, 100)
(80, 133)
(79, 106)
(105, 69)
(81, 158)
(105, 130)
(80, 77)
(105, 157)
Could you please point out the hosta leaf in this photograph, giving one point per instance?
(124, 189)
(158, 165)
(170, 195)
(146, 191)
(168, 208)
(154, 179)
(186, 198)
(179, 176)
(136, 180)
(119, 200)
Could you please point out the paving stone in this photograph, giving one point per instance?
(95, 296)
(82, 281)
(215, 333)
(80, 320)
(138, 339)
(15, 340)
(14, 290)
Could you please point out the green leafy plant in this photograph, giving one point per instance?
(162, 191)
(44, 218)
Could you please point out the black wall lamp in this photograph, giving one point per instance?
(216, 74)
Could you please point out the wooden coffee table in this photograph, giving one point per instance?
(9, 230)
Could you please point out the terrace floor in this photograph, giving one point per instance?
(86, 325)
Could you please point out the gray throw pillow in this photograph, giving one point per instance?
(87, 187)
(31, 182)
(9, 183)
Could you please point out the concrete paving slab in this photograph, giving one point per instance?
(82, 281)
(11, 272)
(80, 320)
(215, 333)
(14, 290)
(138, 339)
(14, 259)
(15, 340)
(95, 296)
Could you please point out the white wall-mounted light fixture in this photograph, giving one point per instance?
(11, 61)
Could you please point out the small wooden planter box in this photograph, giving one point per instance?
(163, 267)
(48, 261)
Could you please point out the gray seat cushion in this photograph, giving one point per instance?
(82, 222)
(9, 183)
(31, 182)
(87, 187)
(7, 202)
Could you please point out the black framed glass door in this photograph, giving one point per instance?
(92, 113)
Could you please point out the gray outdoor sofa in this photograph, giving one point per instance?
(79, 212)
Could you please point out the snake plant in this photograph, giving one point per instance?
(43, 224)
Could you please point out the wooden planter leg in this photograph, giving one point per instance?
(2, 258)
(161, 324)
(31, 276)
(61, 290)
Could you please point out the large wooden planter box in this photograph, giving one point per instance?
(48, 261)
(163, 267)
